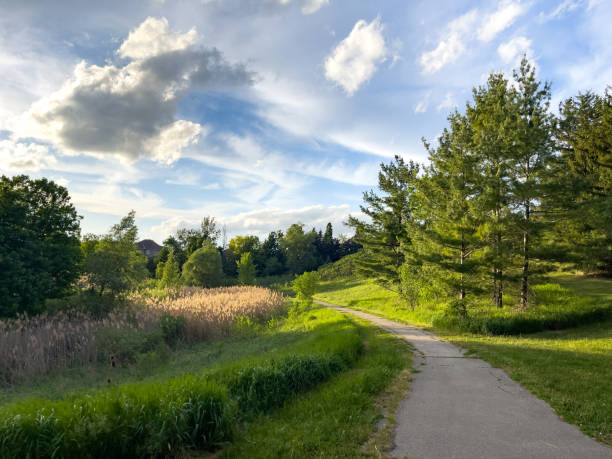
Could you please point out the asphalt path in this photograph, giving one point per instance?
(461, 407)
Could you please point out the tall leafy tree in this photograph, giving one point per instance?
(246, 269)
(203, 268)
(299, 249)
(112, 263)
(274, 259)
(386, 236)
(39, 243)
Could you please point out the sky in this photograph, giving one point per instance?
(261, 113)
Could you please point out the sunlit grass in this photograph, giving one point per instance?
(571, 369)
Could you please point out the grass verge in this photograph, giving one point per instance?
(353, 408)
(570, 369)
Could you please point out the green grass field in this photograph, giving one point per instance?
(338, 417)
(571, 369)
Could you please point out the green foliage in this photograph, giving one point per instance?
(172, 327)
(388, 234)
(584, 181)
(39, 244)
(260, 388)
(299, 249)
(124, 345)
(411, 283)
(246, 269)
(203, 268)
(142, 420)
(305, 285)
(112, 262)
(167, 272)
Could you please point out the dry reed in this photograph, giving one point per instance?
(32, 346)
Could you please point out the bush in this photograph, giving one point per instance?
(305, 285)
(203, 268)
(143, 420)
(172, 327)
(123, 345)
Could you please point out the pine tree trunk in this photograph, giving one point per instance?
(500, 291)
(525, 275)
(462, 257)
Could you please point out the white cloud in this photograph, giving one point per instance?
(504, 17)
(152, 38)
(561, 10)
(447, 102)
(513, 49)
(452, 45)
(312, 6)
(130, 111)
(356, 58)
(423, 104)
(19, 157)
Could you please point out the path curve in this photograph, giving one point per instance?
(460, 407)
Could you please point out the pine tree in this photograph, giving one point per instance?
(448, 235)
(246, 269)
(492, 118)
(532, 156)
(386, 237)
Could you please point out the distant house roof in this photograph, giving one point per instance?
(148, 247)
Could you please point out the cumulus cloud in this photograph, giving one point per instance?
(513, 49)
(17, 157)
(130, 110)
(356, 58)
(462, 30)
(452, 45)
(494, 23)
(312, 6)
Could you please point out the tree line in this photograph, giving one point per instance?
(44, 257)
(510, 188)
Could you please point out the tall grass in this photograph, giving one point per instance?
(32, 346)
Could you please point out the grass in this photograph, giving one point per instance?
(266, 369)
(338, 418)
(570, 369)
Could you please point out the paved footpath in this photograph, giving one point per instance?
(460, 407)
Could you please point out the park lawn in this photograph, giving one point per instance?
(570, 369)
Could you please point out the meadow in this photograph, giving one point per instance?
(34, 346)
(282, 372)
(569, 365)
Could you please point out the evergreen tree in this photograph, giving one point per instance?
(168, 272)
(492, 119)
(448, 238)
(531, 160)
(386, 237)
(584, 137)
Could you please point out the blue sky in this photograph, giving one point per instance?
(259, 112)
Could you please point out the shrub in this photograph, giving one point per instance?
(305, 285)
(142, 420)
(172, 327)
(203, 268)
